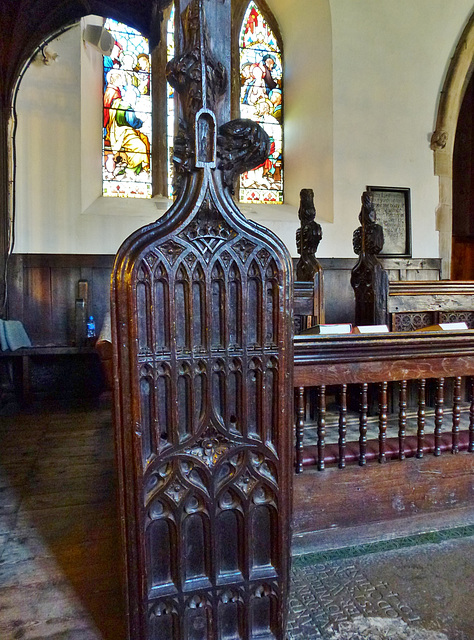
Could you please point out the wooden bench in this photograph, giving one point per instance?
(413, 305)
(22, 359)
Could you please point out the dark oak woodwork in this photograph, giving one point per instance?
(369, 279)
(300, 407)
(42, 290)
(308, 237)
(471, 419)
(309, 284)
(417, 304)
(396, 358)
(202, 334)
(363, 423)
(357, 358)
(402, 419)
(342, 426)
(382, 420)
(439, 411)
(390, 493)
(321, 425)
(421, 417)
(338, 504)
(456, 413)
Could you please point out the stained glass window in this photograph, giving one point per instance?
(127, 115)
(171, 115)
(261, 100)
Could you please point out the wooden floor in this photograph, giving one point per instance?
(59, 549)
(59, 556)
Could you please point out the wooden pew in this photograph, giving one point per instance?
(382, 479)
(413, 305)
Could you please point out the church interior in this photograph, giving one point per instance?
(237, 321)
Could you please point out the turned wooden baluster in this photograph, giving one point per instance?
(471, 419)
(439, 412)
(363, 409)
(300, 410)
(402, 419)
(421, 417)
(382, 420)
(321, 425)
(456, 413)
(342, 426)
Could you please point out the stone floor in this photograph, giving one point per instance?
(420, 592)
(59, 560)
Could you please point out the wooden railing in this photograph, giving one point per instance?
(365, 374)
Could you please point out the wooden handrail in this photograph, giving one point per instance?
(360, 358)
(431, 287)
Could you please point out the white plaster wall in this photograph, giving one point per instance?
(91, 224)
(48, 152)
(389, 61)
(362, 79)
(59, 208)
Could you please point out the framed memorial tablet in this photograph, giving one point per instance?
(392, 208)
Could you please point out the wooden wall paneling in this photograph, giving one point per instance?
(339, 295)
(412, 268)
(339, 303)
(462, 263)
(15, 289)
(38, 319)
(67, 269)
(101, 295)
(63, 295)
(46, 303)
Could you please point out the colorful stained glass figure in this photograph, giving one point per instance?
(261, 100)
(170, 100)
(127, 115)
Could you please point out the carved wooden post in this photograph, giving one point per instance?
(308, 268)
(369, 279)
(203, 361)
(308, 237)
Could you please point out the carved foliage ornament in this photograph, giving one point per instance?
(308, 237)
(199, 79)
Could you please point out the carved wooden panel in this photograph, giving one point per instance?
(203, 358)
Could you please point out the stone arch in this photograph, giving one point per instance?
(455, 84)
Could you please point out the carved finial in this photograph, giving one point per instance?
(369, 279)
(308, 237)
(368, 238)
(200, 81)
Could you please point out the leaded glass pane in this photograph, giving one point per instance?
(127, 115)
(261, 100)
(171, 108)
